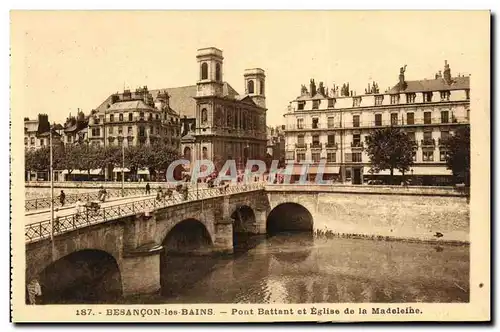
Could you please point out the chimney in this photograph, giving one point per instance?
(312, 86)
(447, 72)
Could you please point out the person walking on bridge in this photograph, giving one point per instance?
(62, 197)
(148, 189)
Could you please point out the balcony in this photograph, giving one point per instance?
(315, 145)
(428, 142)
(356, 145)
(332, 145)
(300, 145)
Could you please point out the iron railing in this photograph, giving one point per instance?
(42, 230)
(44, 202)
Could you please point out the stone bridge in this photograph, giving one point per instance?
(135, 246)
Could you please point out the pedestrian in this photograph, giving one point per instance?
(56, 221)
(79, 206)
(102, 194)
(148, 189)
(159, 195)
(62, 197)
(34, 290)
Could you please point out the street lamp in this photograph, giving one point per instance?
(51, 194)
(123, 170)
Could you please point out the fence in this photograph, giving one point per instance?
(41, 230)
(44, 202)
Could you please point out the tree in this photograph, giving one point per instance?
(458, 155)
(390, 148)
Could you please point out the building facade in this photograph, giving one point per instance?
(135, 118)
(276, 142)
(37, 135)
(322, 124)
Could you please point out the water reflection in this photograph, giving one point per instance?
(294, 268)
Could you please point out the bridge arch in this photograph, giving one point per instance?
(187, 236)
(289, 217)
(243, 219)
(83, 276)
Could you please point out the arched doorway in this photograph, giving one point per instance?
(85, 276)
(289, 218)
(243, 229)
(185, 258)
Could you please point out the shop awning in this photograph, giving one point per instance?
(419, 170)
(313, 169)
(119, 170)
(82, 172)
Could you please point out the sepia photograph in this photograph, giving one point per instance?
(240, 166)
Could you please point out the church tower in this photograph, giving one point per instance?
(210, 82)
(255, 80)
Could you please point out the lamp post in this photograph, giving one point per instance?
(123, 170)
(51, 194)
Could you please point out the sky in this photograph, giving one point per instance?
(71, 60)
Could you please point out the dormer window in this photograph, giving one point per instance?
(356, 101)
(379, 100)
(410, 98)
(445, 95)
(316, 104)
(300, 105)
(427, 97)
(394, 99)
(331, 102)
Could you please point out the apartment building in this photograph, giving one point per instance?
(332, 125)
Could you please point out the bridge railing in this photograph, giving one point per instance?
(42, 230)
(44, 202)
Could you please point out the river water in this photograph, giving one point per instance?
(295, 268)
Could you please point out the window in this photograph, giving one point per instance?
(410, 118)
(444, 117)
(120, 130)
(414, 155)
(69, 139)
(467, 94)
(379, 100)
(444, 136)
(120, 117)
(120, 142)
(42, 142)
(262, 87)
(331, 102)
(315, 140)
(394, 99)
(394, 119)
(356, 140)
(442, 155)
(250, 86)
(468, 115)
(331, 157)
(316, 156)
(316, 104)
(331, 139)
(96, 132)
(356, 157)
(410, 98)
(356, 101)
(427, 97)
(300, 123)
(445, 95)
(157, 116)
(427, 155)
(111, 118)
(26, 141)
(378, 119)
(355, 120)
(217, 72)
(427, 136)
(110, 130)
(427, 118)
(290, 155)
(315, 124)
(129, 130)
(300, 139)
(331, 122)
(32, 141)
(142, 131)
(204, 71)
(300, 105)
(301, 156)
(204, 115)
(141, 116)
(130, 117)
